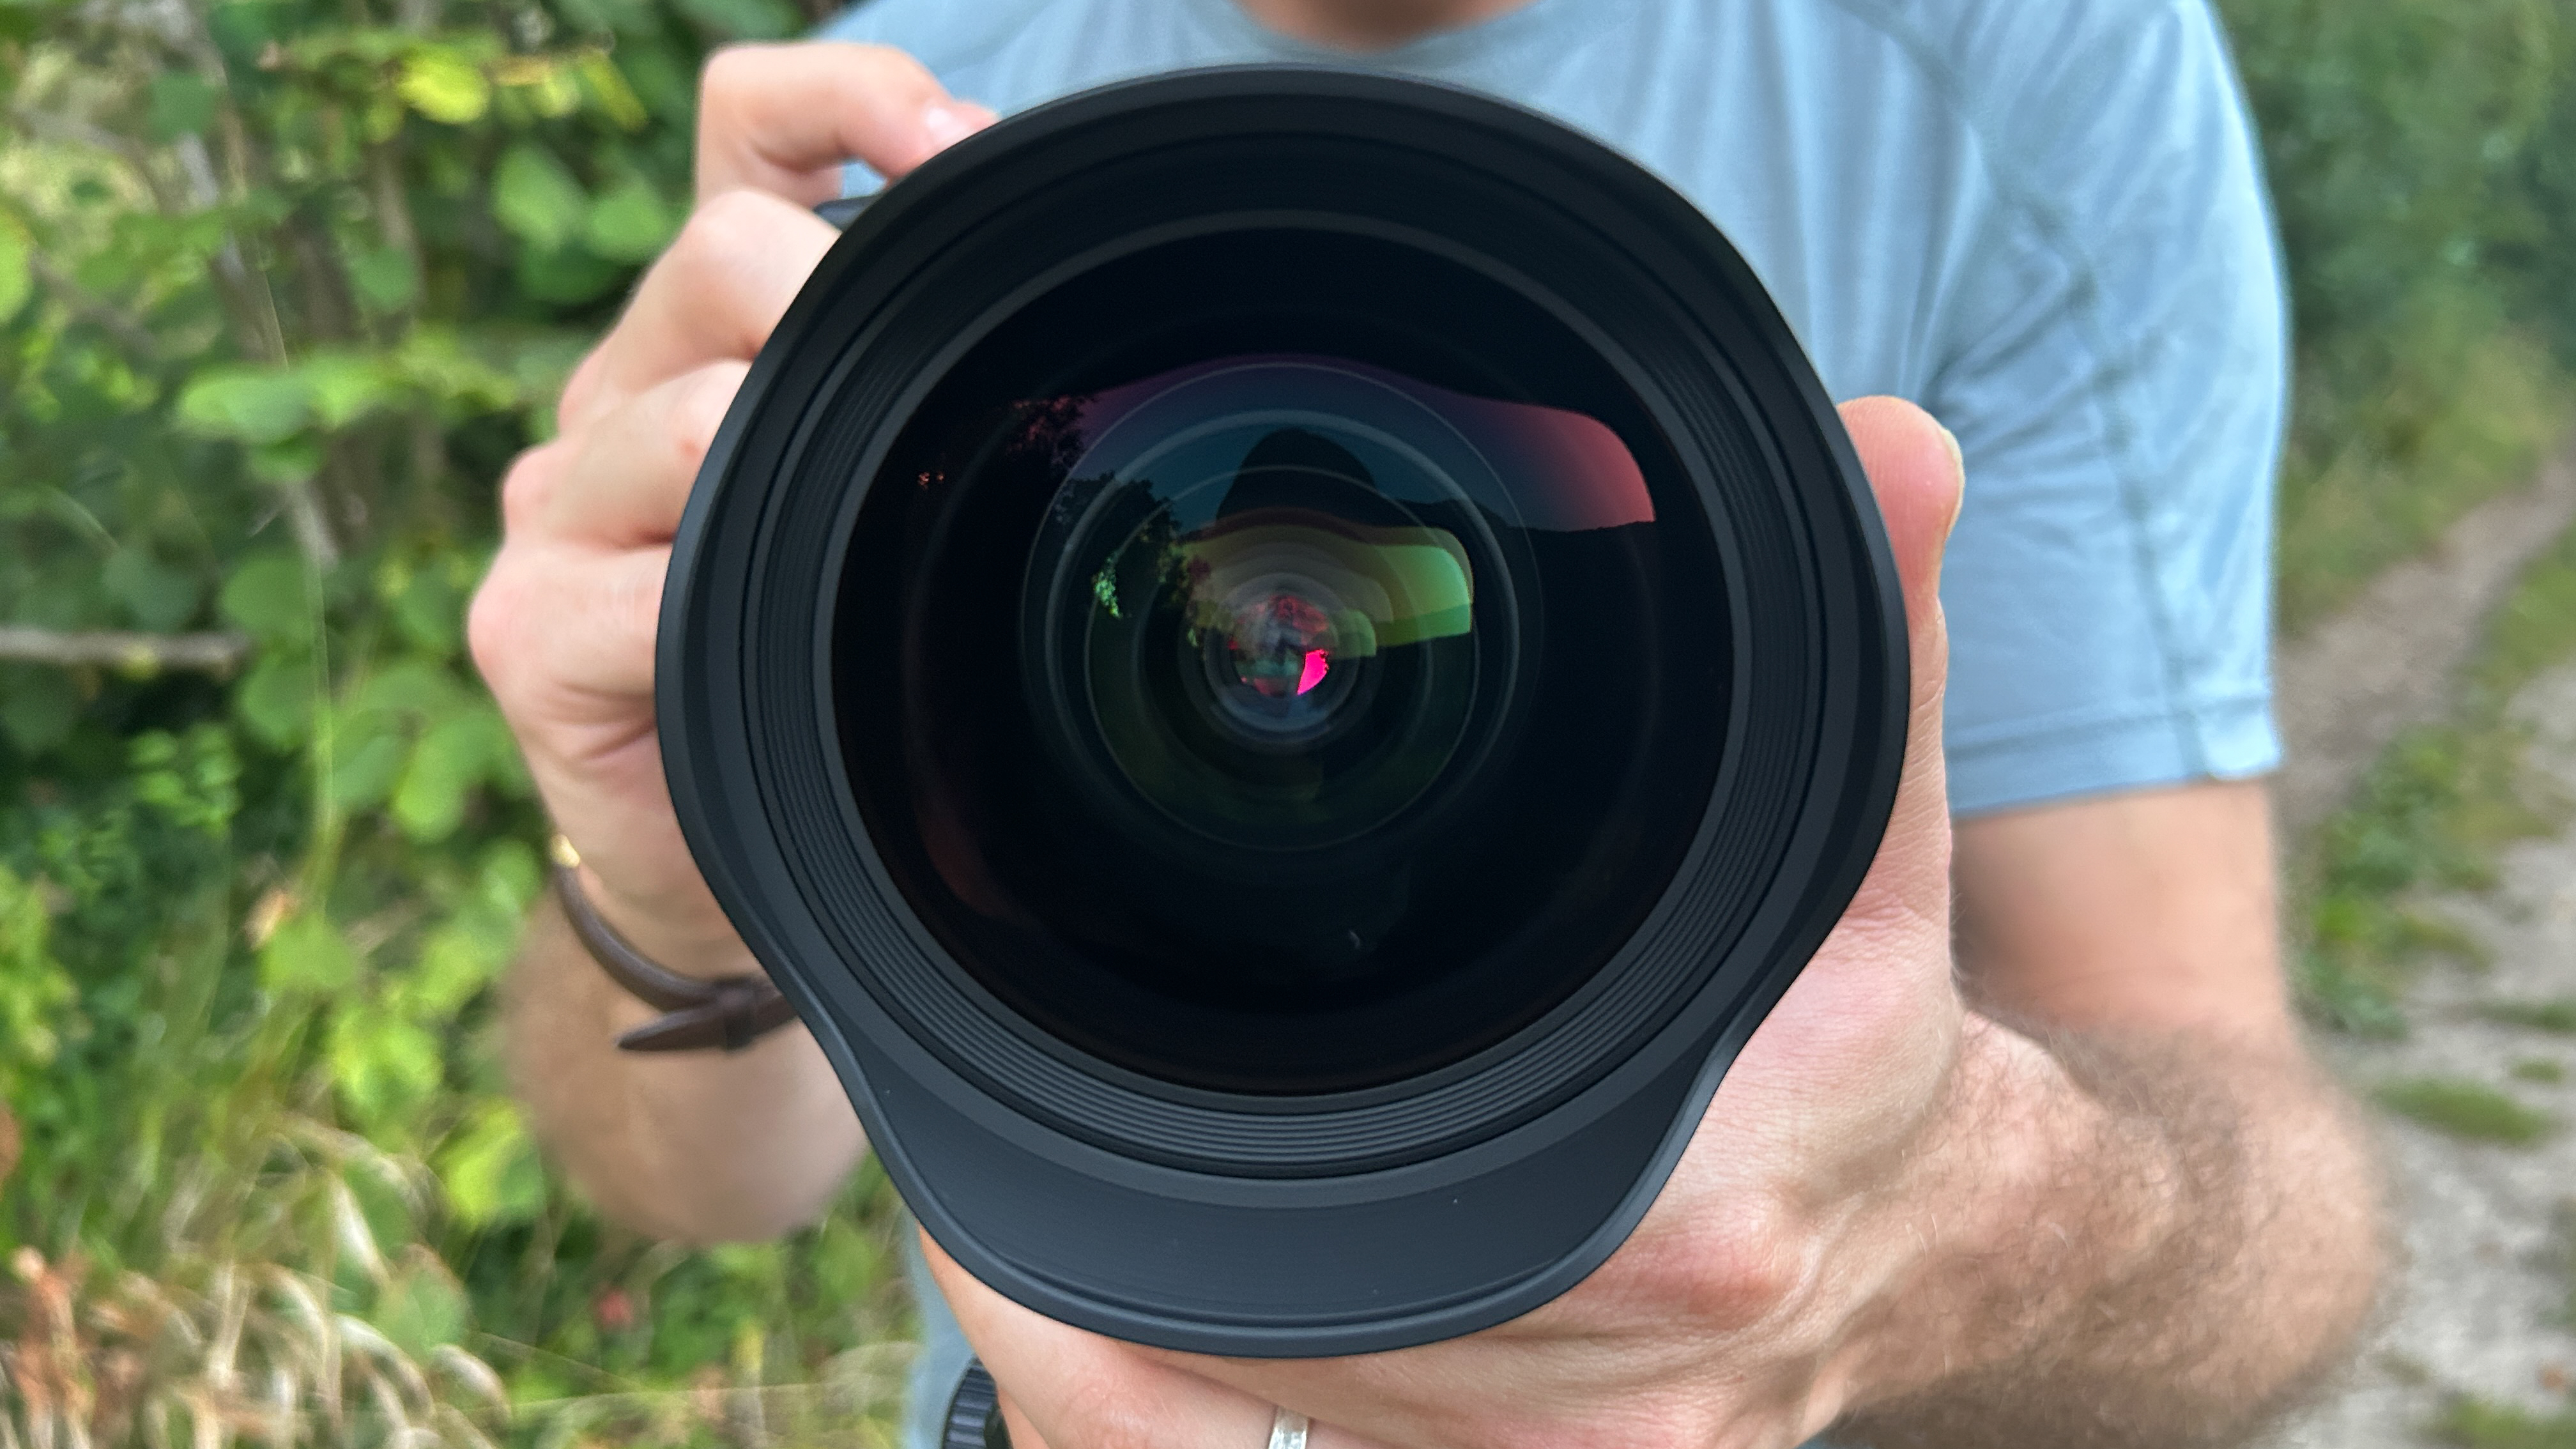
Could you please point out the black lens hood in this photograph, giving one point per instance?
(1242, 1224)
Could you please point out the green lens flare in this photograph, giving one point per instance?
(1395, 586)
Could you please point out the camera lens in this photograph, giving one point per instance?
(1347, 668)
(1283, 664)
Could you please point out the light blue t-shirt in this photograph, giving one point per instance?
(2041, 219)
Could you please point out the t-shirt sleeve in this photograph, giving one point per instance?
(2114, 367)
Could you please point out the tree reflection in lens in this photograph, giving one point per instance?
(1276, 597)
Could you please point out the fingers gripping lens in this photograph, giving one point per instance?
(1284, 664)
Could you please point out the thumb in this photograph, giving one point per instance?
(1915, 470)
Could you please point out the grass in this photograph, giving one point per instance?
(2464, 1109)
(2431, 815)
(2473, 1423)
(2374, 479)
(2538, 1069)
(2558, 1015)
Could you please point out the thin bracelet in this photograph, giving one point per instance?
(729, 1011)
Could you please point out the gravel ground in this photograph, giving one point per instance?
(2483, 1301)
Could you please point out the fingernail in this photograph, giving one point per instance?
(1958, 459)
(944, 123)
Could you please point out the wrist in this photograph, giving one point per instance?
(2025, 1199)
(702, 949)
(701, 944)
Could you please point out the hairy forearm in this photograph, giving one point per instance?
(701, 1146)
(2143, 1241)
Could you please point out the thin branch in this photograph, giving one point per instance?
(118, 649)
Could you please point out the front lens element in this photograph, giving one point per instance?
(1281, 663)
(1259, 614)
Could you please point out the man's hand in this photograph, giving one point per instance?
(563, 628)
(1728, 1316)
(1896, 1213)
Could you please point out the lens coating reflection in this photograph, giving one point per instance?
(1281, 663)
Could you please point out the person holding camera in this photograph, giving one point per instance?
(2032, 1151)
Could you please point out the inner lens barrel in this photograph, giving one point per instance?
(1281, 662)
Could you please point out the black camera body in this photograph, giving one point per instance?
(1283, 664)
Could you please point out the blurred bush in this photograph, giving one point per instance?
(283, 284)
(2423, 166)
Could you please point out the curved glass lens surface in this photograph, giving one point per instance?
(1281, 663)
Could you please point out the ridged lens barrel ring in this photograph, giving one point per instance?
(1283, 664)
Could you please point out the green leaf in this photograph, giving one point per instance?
(382, 1064)
(458, 960)
(247, 404)
(159, 597)
(422, 1309)
(344, 386)
(437, 362)
(307, 955)
(180, 104)
(608, 89)
(431, 613)
(444, 86)
(266, 597)
(384, 278)
(555, 94)
(17, 281)
(363, 770)
(276, 699)
(536, 199)
(285, 462)
(567, 276)
(451, 758)
(412, 686)
(195, 782)
(38, 707)
(490, 1170)
(629, 223)
(509, 878)
(34, 985)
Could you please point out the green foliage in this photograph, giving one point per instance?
(2539, 1070)
(282, 287)
(2478, 1424)
(2420, 157)
(2465, 1109)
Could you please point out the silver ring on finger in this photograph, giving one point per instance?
(1288, 1429)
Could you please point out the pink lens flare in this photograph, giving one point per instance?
(1316, 663)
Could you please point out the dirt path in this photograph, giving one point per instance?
(2483, 1303)
(2387, 660)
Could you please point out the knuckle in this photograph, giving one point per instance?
(727, 226)
(701, 410)
(492, 625)
(525, 487)
(730, 72)
(1731, 1280)
(579, 388)
(1736, 1281)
